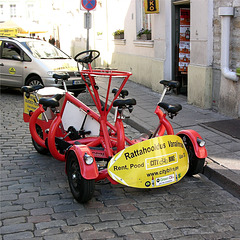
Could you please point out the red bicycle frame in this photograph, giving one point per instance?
(91, 145)
(165, 125)
(111, 138)
(108, 141)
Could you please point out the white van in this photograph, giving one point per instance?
(27, 61)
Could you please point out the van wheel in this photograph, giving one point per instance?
(35, 80)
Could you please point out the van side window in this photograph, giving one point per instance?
(26, 57)
(9, 50)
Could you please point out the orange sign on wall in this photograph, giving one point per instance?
(151, 6)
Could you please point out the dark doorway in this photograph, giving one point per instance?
(181, 43)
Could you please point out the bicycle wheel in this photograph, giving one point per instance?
(195, 164)
(39, 148)
(81, 188)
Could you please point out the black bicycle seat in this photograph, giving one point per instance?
(170, 83)
(64, 76)
(122, 94)
(124, 103)
(171, 108)
(29, 89)
(51, 102)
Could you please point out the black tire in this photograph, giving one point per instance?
(34, 80)
(39, 148)
(81, 188)
(196, 164)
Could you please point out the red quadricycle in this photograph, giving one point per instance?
(95, 149)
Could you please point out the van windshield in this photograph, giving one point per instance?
(44, 50)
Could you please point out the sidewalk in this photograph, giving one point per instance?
(223, 162)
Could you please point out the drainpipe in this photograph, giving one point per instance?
(226, 13)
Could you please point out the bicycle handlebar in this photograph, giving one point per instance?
(88, 57)
(112, 73)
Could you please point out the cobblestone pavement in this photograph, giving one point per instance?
(36, 202)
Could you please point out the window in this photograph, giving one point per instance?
(30, 11)
(26, 57)
(9, 50)
(13, 11)
(143, 19)
(1, 10)
(44, 50)
(146, 18)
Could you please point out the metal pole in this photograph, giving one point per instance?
(88, 31)
(87, 39)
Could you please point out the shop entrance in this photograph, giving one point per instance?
(181, 43)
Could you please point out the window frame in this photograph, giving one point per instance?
(23, 55)
(13, 10)
(1, 10)
(15, 46)
(140, 15)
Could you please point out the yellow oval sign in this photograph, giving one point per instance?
(12, 70)
(152, 163)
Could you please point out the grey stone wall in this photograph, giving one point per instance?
(235, 33)
(220, 101)
(219, 97)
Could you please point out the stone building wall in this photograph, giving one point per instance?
(226, 92)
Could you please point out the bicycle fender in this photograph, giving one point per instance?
(87, 171)
(201, 152)
(32, 126)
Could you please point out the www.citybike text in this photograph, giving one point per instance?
(163, 171)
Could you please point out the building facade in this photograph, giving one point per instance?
(195, 42)
(186, 45)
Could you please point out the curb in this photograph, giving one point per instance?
(224, 177)
(136, 125)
